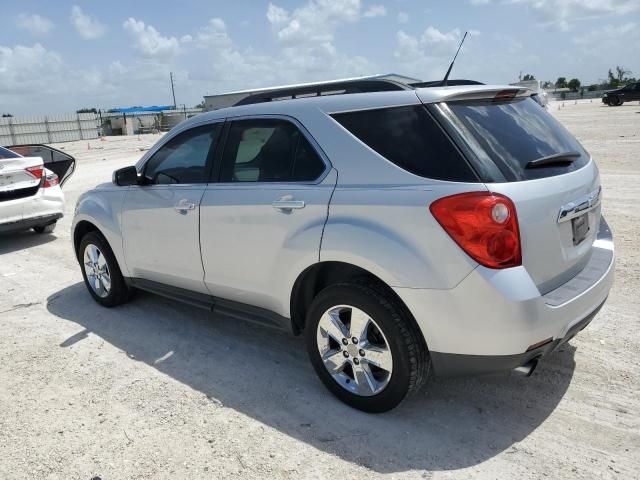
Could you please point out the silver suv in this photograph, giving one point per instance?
(454, 229)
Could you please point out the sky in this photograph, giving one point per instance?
(58, 56)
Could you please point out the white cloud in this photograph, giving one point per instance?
(608, 33)
(403, 17)
(22, 69)
(149, 41)
(314, 22)
(428, 54)
(33, 23)
(277, 15)
(376, 11)
(598, 43)
(214, 34)
(561, 14)
(87, 26)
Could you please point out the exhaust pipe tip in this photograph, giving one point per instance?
(527, 369)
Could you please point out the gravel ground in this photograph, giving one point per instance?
(159, 390)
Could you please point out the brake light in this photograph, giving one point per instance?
(505, 95)
(484, 225)
(51, 180)
(36, 171)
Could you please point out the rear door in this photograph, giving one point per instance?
(263, 219)
(551, 179)
(20, 178)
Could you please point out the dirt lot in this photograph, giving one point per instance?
(160, 390)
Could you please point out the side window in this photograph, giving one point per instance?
(184, 158)
(268, 150)
(410, 138)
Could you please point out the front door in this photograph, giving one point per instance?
(263, 220)
(160, 218)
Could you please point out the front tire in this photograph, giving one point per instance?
(615, 101)
(101, 273)
(365, 346)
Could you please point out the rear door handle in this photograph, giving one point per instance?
(183, 206)
(288, 204)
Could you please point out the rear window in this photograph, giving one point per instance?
(515, 133)
(410, 138)
(6, 153)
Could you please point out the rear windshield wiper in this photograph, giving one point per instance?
(565, 158)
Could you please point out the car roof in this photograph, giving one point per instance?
(356, 101)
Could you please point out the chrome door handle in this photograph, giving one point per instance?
(288, 204)
(184, 205)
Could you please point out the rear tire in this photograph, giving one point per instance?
(101, 273)
(45, 228)
(390, 360)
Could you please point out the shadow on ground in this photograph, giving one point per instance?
(12, 242)
(265, 374)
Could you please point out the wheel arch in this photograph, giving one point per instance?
(80, 230)
(323, 274)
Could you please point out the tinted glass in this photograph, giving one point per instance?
(184, 158)
(4, 153)
(410, 138)
(515, 133)
(268, 150)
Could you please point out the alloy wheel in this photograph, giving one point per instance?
(97, 270)
(354, 350)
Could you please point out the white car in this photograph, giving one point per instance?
(31, 177)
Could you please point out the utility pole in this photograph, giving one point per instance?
(173, 92)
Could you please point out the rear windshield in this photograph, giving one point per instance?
(6, 153)
(410, 138)
(515, 133)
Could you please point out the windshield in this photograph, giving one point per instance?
(6, 153)
(514, 133)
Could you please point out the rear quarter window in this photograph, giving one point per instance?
(410, 138)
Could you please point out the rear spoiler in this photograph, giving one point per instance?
(479, 92)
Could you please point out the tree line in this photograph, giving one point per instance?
(616, 78)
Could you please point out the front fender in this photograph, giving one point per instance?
(103, 208)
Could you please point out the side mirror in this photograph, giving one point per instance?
(125, 176)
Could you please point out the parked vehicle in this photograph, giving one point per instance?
(628, 93)
(448, 228)
(31, 177)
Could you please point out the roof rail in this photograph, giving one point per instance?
(324, 88)
(376, 83)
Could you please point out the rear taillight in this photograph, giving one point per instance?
(485, 225)
(36, 171)
(51, 180)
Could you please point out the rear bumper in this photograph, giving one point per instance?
(28, 223)
(494, 319)
(45, 207)
(455, 365)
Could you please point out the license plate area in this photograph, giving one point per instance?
(580, 228)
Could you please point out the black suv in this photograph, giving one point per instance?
(628, 93)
